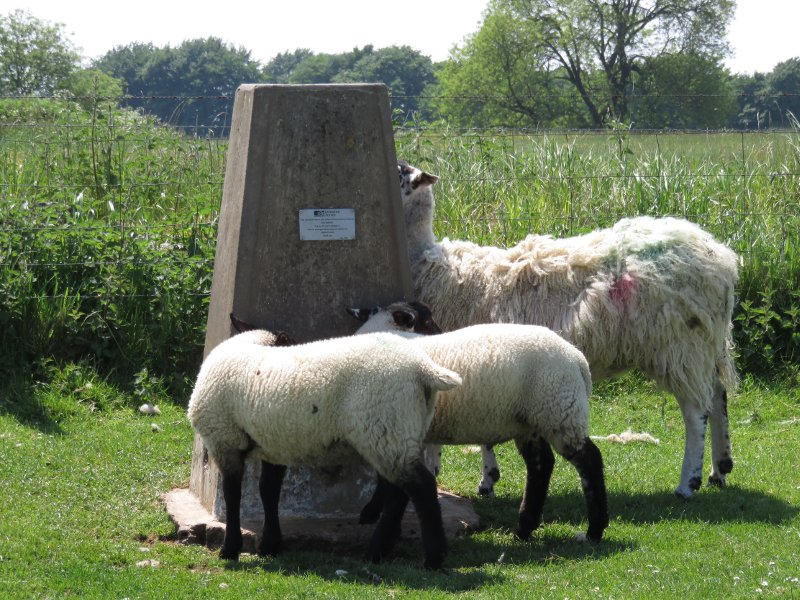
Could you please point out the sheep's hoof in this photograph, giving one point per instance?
(226, 554)
(269, 547)
(486, 491)
(716, 480)
(684, 493)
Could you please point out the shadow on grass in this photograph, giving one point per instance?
(473, 562)
(708, 505)
(18, 400)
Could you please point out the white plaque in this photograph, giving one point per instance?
(327, 224)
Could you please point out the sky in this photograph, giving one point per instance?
(763, 33)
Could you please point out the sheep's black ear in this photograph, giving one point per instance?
(425, 323)
(405, 319)
(362, 314)
(427, 179)
(241, 326)
(283, 339)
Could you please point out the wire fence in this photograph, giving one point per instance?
(108, 217)
(77, 170)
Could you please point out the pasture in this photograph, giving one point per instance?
(81, 515)
(107, 229)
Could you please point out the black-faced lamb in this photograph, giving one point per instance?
(323, 403)
(655, 294)
(520, 382)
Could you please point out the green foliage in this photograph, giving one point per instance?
(108, 224)
(682, 91)
(281, 68)
(205, 71)
(500, 78)
(35, 57)
(771, 99)
(594, 48)
(403, 70)
(108, 231)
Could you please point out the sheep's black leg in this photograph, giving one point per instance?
(269, 486)
(721, 460)
(589, 463)
(421, 488)
(539, 461)
(232, 475)
(387, 531)
(423, 493)
(372, 509)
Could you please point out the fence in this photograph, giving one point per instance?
(108, 218)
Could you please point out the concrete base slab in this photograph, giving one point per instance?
(195, 525)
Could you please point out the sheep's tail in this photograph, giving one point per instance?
(726, 369)
(439, 378)
(587, 377)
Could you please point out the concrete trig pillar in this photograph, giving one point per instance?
(311, 222)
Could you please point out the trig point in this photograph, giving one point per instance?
(311, 222)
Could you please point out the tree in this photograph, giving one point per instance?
(281, 68)
(128, 63)
(404, 70)
(597, 46)
(783, 87)
(35, 57)
(682, 91)
(187, 86)
(768, 99)
(502, 77)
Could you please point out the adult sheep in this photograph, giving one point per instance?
(653, 294)
(318, 404)
(520, 382)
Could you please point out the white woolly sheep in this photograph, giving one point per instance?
(648, 293)
(319, 404)
(520, 382)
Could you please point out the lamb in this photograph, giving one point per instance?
(655, 294)
(520, 382)
(318, 404)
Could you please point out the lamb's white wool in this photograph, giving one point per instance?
(520, 382)
(324, 403)
(653, 294)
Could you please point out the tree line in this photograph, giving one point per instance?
(649, 64)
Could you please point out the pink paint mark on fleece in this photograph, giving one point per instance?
(622, 289)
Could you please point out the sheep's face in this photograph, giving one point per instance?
(413, 179)
(408, 317)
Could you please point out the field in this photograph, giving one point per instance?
(81, 515)
(107, 231)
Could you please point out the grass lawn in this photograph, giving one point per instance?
(80, 515)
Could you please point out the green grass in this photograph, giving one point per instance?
(82, 472)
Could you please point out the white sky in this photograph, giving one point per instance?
(763, 33)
